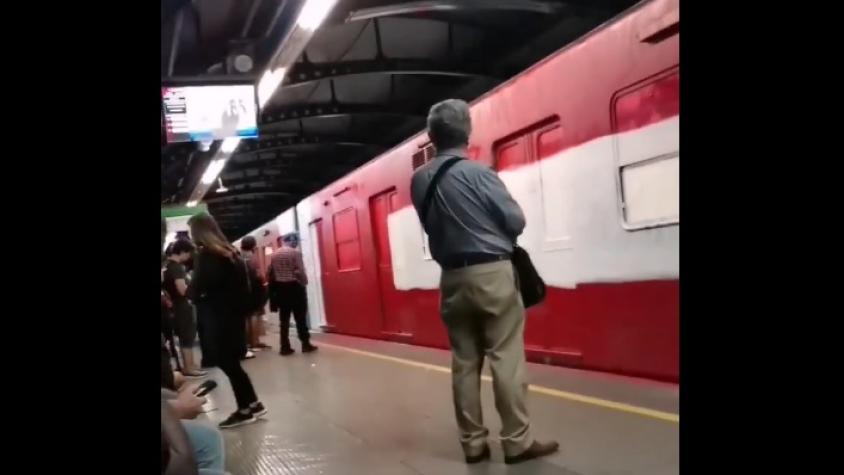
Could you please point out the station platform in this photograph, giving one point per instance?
(367, 407)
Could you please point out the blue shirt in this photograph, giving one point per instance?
(471, 211)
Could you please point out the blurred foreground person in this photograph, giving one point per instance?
(472, 223)
(220, 289)
(187, 448)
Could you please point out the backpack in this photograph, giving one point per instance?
(242, 288)
(258, 291)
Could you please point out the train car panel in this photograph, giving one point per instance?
(587, 142)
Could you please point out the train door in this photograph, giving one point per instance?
(316, 309)
(515, 155)
(380, 207)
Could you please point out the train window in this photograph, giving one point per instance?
(511, 155)
(651, 190)
(549, 141)
(423, 156)
(347, 240)
(647, 136)
(418, 159)
(429, 152)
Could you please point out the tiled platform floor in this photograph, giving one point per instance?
(371, 411)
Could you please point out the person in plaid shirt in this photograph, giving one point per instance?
(288, 278)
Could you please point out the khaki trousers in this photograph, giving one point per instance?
(484, 315)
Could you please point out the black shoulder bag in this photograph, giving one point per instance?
(530, 283)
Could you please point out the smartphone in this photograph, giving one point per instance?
(205, 388)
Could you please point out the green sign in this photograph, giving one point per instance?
(176, 211)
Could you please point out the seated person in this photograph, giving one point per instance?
(206, 441)
(180, 404)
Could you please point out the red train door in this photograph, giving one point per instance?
(379, 209)
(511, 154)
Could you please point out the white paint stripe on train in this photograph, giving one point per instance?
(574, 230)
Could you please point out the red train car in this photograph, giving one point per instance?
(587, 141)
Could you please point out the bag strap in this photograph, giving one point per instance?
(432, 187)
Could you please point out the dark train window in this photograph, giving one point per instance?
(346, 239)
(418, 159)
(511, 154)
(423, 156)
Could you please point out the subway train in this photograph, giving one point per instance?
(587, 141)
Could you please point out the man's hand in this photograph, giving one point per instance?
(186, 405)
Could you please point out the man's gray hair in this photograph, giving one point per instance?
(449, 124)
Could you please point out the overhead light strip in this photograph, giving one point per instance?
(311, 16)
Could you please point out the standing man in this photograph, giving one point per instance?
(472, 222)
(176, 285)
(287, 271)
(254, 323)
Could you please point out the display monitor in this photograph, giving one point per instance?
(204, 113)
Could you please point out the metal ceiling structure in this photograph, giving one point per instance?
(362, 85)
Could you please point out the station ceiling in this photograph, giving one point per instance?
(362, 85)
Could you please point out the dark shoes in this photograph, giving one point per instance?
(470, 459)
(306, 348)
(538, 449)
(245, 416)
(258, 409)
(238, 419)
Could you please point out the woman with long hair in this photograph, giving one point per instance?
(220, 292)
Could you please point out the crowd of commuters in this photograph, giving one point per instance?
(213, 299)
(472, 223)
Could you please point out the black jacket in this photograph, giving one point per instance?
(220, 290)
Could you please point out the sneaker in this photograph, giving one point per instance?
(258, 409)
(309, 348)
(286, 351)
(238, 419)
(249, 355)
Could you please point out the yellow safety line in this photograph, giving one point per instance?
(618, 406)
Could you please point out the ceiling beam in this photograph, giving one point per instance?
(306, 72)
(279, 143)
(246, 209)
(295, 165)
(328, 110)
(246, 196)
(283, 183)
(411, 8)
(268, 188)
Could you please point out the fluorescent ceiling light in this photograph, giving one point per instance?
(214, 169)
(268, 84)
(192, 203)
(313, 13)
(230, 145)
